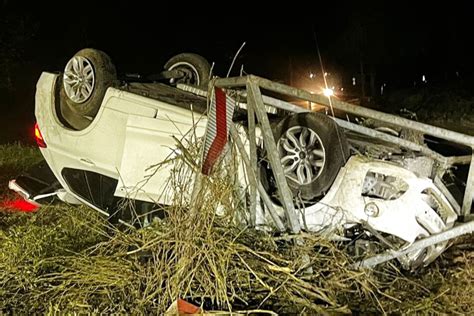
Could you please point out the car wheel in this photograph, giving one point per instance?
(312, 149)
(86, 78)
(195, 69)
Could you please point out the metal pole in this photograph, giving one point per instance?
(253, 154)
(420, 244)
(350, 108)
(391, 139)
(231, 82)
(254, 181)
(255, 98)
(469, 192)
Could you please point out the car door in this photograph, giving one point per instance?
(150, 149)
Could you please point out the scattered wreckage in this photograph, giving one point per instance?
(379, 187)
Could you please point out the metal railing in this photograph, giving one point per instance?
(256, 106)
(256, 109)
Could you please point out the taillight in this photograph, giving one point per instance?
(38, 137)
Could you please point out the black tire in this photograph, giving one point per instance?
(196, 68)
(333, 143)
(80, 114)
(69, 118)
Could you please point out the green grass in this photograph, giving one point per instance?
(18, 156)
(14, 159)
(69, 259)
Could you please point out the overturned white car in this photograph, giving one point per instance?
(102, 137)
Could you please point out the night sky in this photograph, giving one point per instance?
(398, 42)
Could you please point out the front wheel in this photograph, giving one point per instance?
(312, 149)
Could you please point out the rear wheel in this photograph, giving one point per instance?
(312, 149)
(194, 69)
(86, 78)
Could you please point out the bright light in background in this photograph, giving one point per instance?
(315, 82)
(328, 92)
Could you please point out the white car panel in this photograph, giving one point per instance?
(144, 127)
(402, 217)
(149, 143)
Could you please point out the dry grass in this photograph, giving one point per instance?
(69, 259)
(445, 287)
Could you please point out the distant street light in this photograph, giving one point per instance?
(328, 92)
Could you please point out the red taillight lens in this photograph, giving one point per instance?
(39, 137)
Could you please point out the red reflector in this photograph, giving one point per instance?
(39, 137)
(19, 205)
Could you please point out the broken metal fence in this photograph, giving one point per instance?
(256, 109)
(256, 105)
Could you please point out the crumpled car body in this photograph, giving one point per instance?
(121, 154)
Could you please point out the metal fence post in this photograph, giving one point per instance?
(254, 99)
